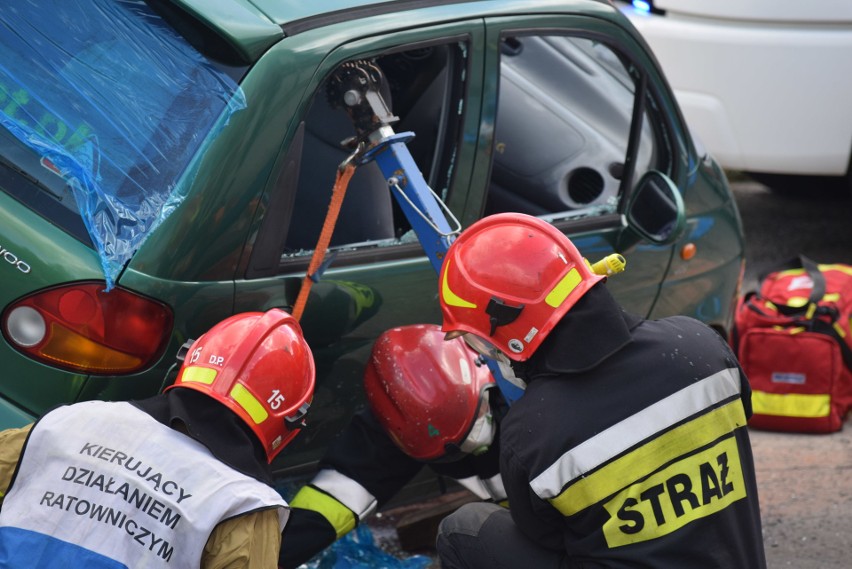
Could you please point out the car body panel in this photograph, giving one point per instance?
(242, 23)
(287, 12)
(715, 230)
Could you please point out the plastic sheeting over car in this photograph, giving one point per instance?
(108, 97)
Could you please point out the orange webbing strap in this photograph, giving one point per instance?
(344, 174)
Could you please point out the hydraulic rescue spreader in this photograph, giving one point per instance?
(356, 88)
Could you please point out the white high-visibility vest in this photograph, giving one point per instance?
(106, 485)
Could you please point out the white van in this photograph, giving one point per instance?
(765, 84)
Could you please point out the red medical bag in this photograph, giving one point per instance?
(794, 342)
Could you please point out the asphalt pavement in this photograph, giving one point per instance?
(804, 480)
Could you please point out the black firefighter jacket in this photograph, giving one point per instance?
(629, 447)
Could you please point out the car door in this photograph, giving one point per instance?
(570, 124)
(376, 276)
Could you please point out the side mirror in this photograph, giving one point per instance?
(655, 209)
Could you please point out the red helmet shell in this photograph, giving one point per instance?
(259, 366)
(509, 278)
(425, 391)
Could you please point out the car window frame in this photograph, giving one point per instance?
(622, 43)
(284, 187)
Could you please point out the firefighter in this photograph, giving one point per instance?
(181, 479)
(629, 445)
(430, 402)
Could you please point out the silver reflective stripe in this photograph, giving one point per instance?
(487, 489)
(495, 488)
(346, 491)
(610, 443)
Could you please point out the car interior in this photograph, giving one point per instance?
(563, 124)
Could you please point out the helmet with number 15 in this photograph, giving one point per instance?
(259, 366)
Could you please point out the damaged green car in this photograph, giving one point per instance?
(167, 163)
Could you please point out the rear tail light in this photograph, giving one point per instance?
(82, 328)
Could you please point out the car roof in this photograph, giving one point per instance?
(252, 26)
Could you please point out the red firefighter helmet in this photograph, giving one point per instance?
(429, 394)
(508, 279)
(259, 366)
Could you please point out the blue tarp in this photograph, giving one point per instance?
(115, 102)
(355, 550)
(358, 550)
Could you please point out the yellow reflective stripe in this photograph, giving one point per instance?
(449, 296)
(249, 402)
(341, 518)
(791, 272)
(643, 461)
(836, 267)
(690, 489)
(791, 404)
(797, 301)
(635, 430)
(791, 331)
(563, 288)
(198, 375)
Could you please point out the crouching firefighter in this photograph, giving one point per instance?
(431, 403)
(177, 480)
(629, 446)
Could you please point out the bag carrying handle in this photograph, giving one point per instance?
(816, 276)
(810, 321)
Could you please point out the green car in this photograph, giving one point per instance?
(167, 163)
